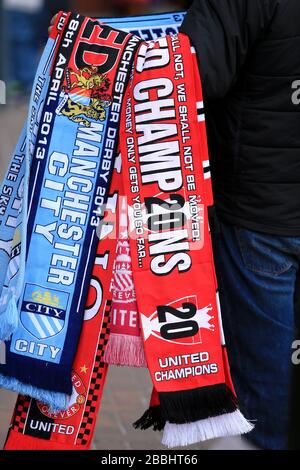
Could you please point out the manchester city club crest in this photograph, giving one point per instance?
(43, 311)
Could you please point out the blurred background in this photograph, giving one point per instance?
(23, 32)
(19, 52)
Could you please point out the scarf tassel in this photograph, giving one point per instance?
(125, 350)
(55, 400)
(227, 423)
(230, 424)
(188, 406)
(152, 418)
(9, 320)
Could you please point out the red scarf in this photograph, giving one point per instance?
(168, 185)
(125, 345)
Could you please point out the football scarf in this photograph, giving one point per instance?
(70, 176)
(167, 183)
(125, 345)
(14, 202)
(34, 426)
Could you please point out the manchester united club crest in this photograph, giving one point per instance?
(77, 399)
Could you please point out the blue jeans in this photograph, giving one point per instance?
(257, 277)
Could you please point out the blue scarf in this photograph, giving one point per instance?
(62, 165)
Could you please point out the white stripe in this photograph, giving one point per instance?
(220, 319)
(118, 283)
(47, 325)
(51, 53)
(56, 323)
(124, 279)
(207, 175)
(193, 50)
(200, 105)
(128, 281)
(201, 117)
(85, 270)
(13, 269)
(27, 416)
(33, 188)
(37, 325)
(206, 163)
(23, 145)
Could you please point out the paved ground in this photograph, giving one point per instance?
(127, 390)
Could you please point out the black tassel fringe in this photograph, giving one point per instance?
(152, 418)
(187, 406)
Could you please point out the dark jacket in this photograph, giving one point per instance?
(249, 58)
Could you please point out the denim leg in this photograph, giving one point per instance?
(256, 275)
